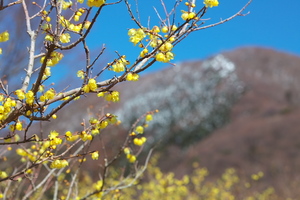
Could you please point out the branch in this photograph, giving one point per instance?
(239, 13)
(8, 5)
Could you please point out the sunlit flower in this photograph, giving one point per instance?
(96, 3)
(211, 3)
(139, 129)
(4, 36)
(136, 35)
(20, 94)
(149, 117)
(65, 38)
(95, 155)
(66, 5)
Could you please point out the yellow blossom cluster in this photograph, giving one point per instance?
(144, 52)
(188, 15)
(55, 57)
(165, 54)
(257, 176)
(136, 35)
(132, 76)
(3, 38)
(113, 96)
(29, 97)
(42, 149)
(211, 3)
(98, 125)
(58, 164)
(6, 106)
(98, 185)
(46, 73)
(48, 95)
(20, 94)
(85, 136)
(66, 4)
(139, 141)
(155, 40)
(139, 129)
(119, 65)
(64, 38)
(54, 139)
(45, 16)
(70, 137)
(91, 86)
(95, 3)
(72, 27)
(130, 157)
(17, 126)
(78, 14)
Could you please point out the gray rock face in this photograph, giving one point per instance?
(193, 98)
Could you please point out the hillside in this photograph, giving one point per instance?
(236, 109)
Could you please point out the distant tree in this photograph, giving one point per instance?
(42, 165)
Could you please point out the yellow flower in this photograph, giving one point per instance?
(65, 38)
(165, 29)
(113, 96)
(166, 47)
(76, 18)
(80, 74)
(49, 94)
(98, 185)
(20, 94)
(139, 129)
(66, 5)
(3, 174)
(58, 164)
(55, 57)
(18, 126)
(131, 158)
(132, 77)
(211, 3)
(92, 84)
(139, 141)
(95, 155)
(96, 3)
(144, 52)
(49, 38)
(136, 35)
(29, 97)
(87, 24)
(149, 118)
(103, 124)
(46, 27)
(187, 15)
(4, 36)
(126, 150)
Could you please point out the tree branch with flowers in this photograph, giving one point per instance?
(61, 26)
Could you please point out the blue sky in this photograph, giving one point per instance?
(273, 24)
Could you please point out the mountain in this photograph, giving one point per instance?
(236, 109)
